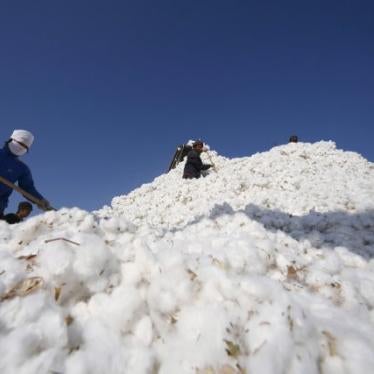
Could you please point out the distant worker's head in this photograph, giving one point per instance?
(20, 142)
(24, 209)
(198, 146)
(293, 139)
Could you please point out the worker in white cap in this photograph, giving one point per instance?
(14, 170)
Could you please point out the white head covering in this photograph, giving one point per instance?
(22, 136)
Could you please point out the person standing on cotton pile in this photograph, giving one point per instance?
(293, 139)
(14, 170)
(194, 165)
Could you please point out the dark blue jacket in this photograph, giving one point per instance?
(194, 165)
(14, 170)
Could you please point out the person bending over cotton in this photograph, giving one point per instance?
(16, 171)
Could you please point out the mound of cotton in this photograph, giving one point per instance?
(265, 265)
(294, 179)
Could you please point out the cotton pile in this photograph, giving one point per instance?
(265, 265)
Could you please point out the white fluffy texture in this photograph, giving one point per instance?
(264, 266)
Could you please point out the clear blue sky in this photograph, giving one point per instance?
(110, 88)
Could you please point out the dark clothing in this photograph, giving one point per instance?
(180, 153)
(11, 218)
(14, 171)
(194, 165)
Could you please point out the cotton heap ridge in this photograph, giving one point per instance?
(262, 266)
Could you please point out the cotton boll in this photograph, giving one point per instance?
(306, 360)
(12, 270)
(97, 284)
(101, 352)
(126, 226)
(143, 331)
(282, 262)
(18, 242)
(197, 341)
(366, 286)
(145, 259)
(169, 259)
(80, 313)
(5, 234)
(269, 336)
(117, 310)
(276, 275)
(333, 365)
(317, 278)
(349, 295)
(331, 262)
(35, 346)
(194, 248)
(261, 288)
(349, 258)
(17, 347)
(139, 359)
(79, 214)
(131, 273)
(21, 311)
(55, 260)
(52, 328)
(110, 225)
(124, 239)
(263, 240)
(77, 363)
(358, 354)
(279, 352)
(87, 224)
(245, 257)
(217, 242)
(330, 293)
(91, 258)
(51, 217)
(123, 252)
(162, 294)
(209, 228)
(218, 285)
(44, 363)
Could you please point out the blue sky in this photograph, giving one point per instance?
(110, 88)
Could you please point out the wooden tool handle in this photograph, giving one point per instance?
(32, 198)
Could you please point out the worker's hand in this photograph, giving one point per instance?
(44, 205)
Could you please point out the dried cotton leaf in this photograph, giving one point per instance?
(23, 288)
(57, 293)
(291, 272)
(232, 349)
(191, 274)
(331, 341)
